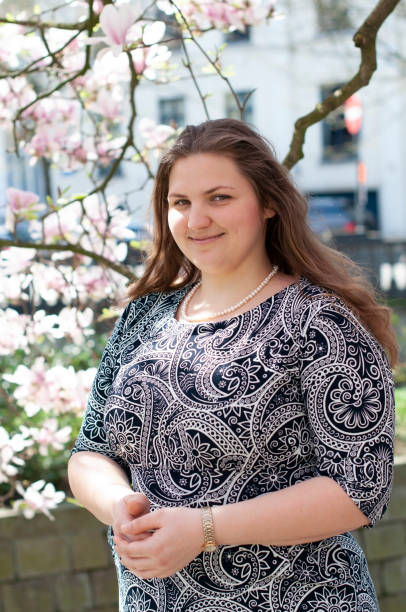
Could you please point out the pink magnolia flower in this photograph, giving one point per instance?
(155, 136)
(50, 436)
(12, 331)
(38, 497)
(51, 284)
(12, 288)
(91, 282)
(33, 389)
(116, 22)
(149, 60)
(14, 260)
(74, 324)
(21, 205)
(9, 447)
(41, 326)
(108, 103)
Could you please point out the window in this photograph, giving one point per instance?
(338, 144)
(172, 111)
(232, 110)
(237, 36)
(332, 15)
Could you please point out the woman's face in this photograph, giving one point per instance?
(214, 215)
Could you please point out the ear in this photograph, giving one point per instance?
(269, 213)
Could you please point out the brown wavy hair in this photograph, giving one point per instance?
(290, 243)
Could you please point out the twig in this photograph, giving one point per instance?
(188, 65)
(365, 40)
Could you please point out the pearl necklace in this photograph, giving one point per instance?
(247, 298)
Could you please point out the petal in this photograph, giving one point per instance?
(153, 33)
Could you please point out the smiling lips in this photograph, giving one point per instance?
(205, 239)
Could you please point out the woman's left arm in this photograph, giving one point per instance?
(311, 510)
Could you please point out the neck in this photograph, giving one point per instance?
(217, 293)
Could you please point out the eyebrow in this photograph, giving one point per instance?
(182, 195)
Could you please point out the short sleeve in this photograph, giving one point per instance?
(348, 390)
(92, 436)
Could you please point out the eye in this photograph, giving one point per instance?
(220, 196)
(180, 203)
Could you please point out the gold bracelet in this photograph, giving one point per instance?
(209, 544)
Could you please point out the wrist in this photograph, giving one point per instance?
(208, 530)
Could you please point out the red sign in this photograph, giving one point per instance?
(353, 114)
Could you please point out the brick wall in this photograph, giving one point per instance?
(66, 566)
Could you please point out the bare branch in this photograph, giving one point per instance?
(212, 62)
(72, 248)
(365, 40)
(188, 64)
(47, 25)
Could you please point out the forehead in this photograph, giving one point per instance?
(204, 170)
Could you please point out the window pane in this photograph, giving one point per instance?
(172, 111)
(232, 110)
(338, 143)
(237, 36)
(332, 15)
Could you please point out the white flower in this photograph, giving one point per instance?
(34, 500)
(9, 447)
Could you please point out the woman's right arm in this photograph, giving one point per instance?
(96, 478)
(98, 483)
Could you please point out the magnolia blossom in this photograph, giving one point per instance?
(155, 136)
(55, 119)
(91, 283)
(33, 390)
(55, 390)
(107, 217)
(61, 225)
(116, 22)
(12, 331)
(225, 14)
(12, 288)
(48, 435)
(14, 93)
(74, 324)
(38, 497)
(109, 103)
(41, 326)
(52, 284)
(21, 205)
(148, 61)
(14, 260)
(9, 447)
(16, 46)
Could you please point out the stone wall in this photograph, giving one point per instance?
(66, 566)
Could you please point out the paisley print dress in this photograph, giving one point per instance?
(217, 413)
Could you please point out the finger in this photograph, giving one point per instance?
(132, 538)
(148, 522)
(137, 504)
(139, 548)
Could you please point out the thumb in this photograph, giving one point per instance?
(137, 504)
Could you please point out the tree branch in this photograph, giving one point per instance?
(73, 248)
(365, 40)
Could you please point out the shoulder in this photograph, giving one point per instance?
(312, 301)
(327, 319)
(150, 305)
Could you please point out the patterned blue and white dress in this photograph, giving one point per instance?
(217, 413)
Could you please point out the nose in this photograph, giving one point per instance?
(198, 217)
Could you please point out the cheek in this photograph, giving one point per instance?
(176, 223)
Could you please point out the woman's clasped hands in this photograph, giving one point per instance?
(155, 544)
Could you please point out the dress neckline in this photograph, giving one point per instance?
(181, 294)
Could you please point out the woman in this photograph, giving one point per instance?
(241, 421)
